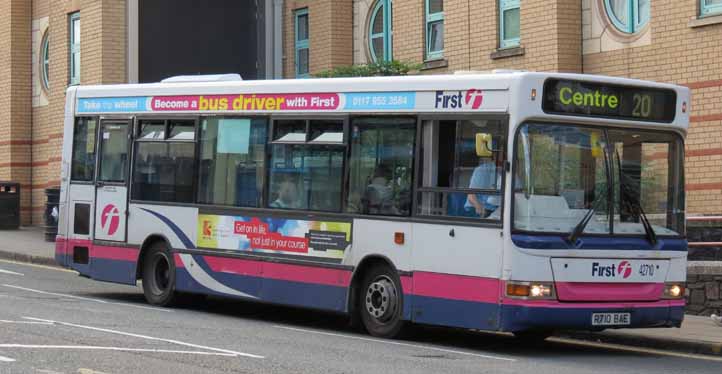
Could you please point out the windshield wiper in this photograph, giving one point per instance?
(579, 228)
(634, 204)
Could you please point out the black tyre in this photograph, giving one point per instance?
(159, 275)
(381, 302)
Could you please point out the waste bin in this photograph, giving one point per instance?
(9, 205)
(51, 213)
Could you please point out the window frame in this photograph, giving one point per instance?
(99, 150)
(386, 34)
(73, 48)
(634, 23)
(604, 128)
(269, 156)
(417, 184)
(429, 19)
(300, 44)
(134, 139)
(264, 174)
(45, 61)
(414, 170)
(95, 150)
(706, 10)
(505, 6)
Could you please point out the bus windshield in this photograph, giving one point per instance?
(604, 181)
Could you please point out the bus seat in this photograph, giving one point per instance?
(455, 205)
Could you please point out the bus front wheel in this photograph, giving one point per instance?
(381, 302)
(159, 275)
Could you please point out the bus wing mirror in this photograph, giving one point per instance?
(484, 147)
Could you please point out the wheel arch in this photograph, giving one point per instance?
(147, 243)
(368, 262)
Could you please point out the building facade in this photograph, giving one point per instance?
(52, 44)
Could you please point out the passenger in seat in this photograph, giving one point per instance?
(487, 177)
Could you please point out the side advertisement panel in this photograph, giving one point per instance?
(468, 100)
(318, 239)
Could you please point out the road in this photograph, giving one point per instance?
(53, 321)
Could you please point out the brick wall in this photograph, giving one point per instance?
(330, 34)
(550, 35)
(103, 54)
(692, 56)
(16, 96)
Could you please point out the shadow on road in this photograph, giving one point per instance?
(455, 339)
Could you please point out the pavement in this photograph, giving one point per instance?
(27, 244)
(698, 334)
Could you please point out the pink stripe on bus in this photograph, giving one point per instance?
(61, 246)
(178, 262)
(233, 266)
(114, 253)
(578, 291)
(294, 273)
(456, 287)
(407, 284)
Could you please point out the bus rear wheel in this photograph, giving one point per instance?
(380, 302)
(159, 275)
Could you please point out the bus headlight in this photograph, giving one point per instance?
(673, 291)
(530, 290)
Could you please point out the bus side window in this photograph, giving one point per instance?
(457, 180)
(306, 169)
(163, 161)
(381, 166)
(232, 161)
(83, 163)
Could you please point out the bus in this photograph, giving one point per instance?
(507, 201)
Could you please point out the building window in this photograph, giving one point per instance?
(75, 48)
(509, 24)
(380, 31)
(628, 16)
(434, 29)
(45, 61)
(302, 50)
(708, 7)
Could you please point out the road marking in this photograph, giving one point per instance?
(25, 322)
(6, 359)
(10, 272)
(90, 371)
(634, 349)
(421, 346)
(117, 349)
(88, 299)
(178, 342)
(39, 266)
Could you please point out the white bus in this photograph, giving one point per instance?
(510, 201)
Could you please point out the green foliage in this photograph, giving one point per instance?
(376, 69)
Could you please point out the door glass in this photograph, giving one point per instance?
(114, 152)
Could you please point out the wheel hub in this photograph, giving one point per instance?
(381, 299)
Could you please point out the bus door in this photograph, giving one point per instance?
(111, 199)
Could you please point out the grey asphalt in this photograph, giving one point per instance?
(53, 321)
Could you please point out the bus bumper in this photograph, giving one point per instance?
(562, 316)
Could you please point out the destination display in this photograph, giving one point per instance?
(603, 100)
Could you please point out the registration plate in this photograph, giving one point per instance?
(611, 319)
